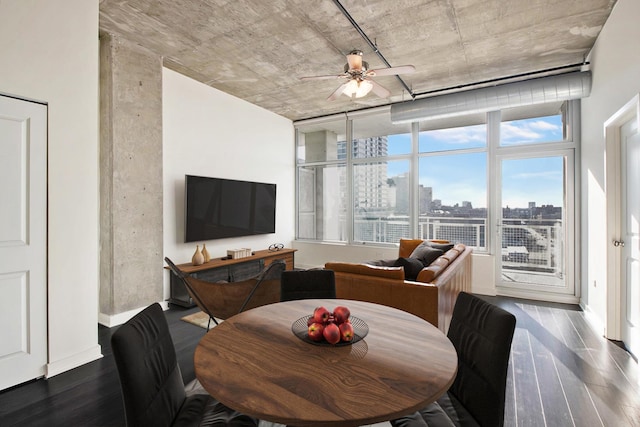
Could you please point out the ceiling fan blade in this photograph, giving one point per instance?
(403, 69)
(327, 77)
(379, 90)
(337, 92)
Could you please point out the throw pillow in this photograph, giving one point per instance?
(426, 253)
(412, 267)
(381, 262)
(444, 246)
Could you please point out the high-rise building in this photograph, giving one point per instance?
(426, 198)
(402, 194)
(370, 184)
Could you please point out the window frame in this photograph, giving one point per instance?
(493, 150)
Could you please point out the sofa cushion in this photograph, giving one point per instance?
(441, 262)
(426, 253)
(428, 274)
(451, 254)
(412, 267)
(394, 273)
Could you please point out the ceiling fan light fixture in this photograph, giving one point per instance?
(357, 88)
(358, 74)
(354, 59)
(364, 87)
(351, 88)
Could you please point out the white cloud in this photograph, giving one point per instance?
(538, 175)
(460, 135)
(529, 130)
(511, 132)
(544, 126)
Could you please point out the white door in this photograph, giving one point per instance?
(23, 232)
(630, 222)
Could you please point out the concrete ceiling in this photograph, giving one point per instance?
(257, 50)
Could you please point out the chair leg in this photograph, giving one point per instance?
(209, 322)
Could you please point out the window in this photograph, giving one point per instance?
(381, 189)
(453, 198)
(381, 201)
(545, 124)
(362, 179)
(457, 138)
(321, 182)
(321, 145)
(322, 203)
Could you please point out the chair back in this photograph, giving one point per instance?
(266, 286)
(187, 281)
(307, 284)
(150, 379)
(223, 299)
(481, 334)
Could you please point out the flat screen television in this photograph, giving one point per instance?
(217, 208)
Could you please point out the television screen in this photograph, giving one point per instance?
(217, 208)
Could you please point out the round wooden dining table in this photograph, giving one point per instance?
(255, 364)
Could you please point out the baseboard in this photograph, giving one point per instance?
(484, 290)
(595, 321)
(64, 365)
(537, 296)
(111, 320)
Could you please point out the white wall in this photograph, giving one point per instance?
(210, 133)
(49, 53)
(615, 63)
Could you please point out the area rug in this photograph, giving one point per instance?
(200, 319)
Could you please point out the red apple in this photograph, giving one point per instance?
(315, 331)
(346, 332)
(321, 315)
(310, 321)
(341, 314)
(331, 333)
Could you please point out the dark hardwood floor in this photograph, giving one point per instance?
(90, 394)
(561, 373)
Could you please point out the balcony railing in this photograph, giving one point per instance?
(527, 245)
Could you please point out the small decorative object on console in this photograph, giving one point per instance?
(205, 253)
(197, 258)
(239, 253)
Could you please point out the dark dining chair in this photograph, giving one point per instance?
(222, 300)
(481, 334)
(153, 391)
(306, 284)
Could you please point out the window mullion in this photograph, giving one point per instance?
(493, 181)
(349, 185)
(414, 203)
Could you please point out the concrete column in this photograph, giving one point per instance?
(131, 264)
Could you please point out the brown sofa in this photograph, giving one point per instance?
(430, 296)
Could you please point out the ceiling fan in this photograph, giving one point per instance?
(359, 75)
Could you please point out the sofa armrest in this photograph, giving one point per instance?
(395, 273)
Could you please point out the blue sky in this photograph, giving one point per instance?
(458, 178)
